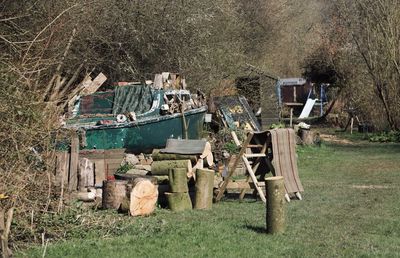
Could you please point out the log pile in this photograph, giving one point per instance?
(136, 189)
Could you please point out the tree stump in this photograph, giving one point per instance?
(179, 201)
(204, 189)
(307, 136)
(161, 167)
(114, 191)
(178, 180)
(275, 204)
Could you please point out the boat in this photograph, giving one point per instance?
(137, 117)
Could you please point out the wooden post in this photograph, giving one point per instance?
(73, 168)
(275, 204)
(184, 122)
(291, 117)
(204, 189)
(178, 180)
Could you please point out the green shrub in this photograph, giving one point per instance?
(391, 136)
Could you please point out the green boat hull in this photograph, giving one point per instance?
(143, 136)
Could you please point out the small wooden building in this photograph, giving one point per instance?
(293, 91)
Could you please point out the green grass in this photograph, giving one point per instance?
(351, 208)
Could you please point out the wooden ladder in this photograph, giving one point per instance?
(256, 158)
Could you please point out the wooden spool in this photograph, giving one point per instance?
(275, 204)
(178, 180)
(179, 201)
(204, 189)
(114, 191)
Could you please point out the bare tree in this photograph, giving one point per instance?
(376, 35)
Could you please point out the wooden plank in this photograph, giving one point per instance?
(94, 85)
(62, 168)
(235, 138)
(99, 171)
(74, 160)
(254, 155)
(97, 157)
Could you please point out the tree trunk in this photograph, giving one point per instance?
(157, 156)
(161, 167)
(178, 180)
(204, 189)
(275, 204)
(179, 201)
(114, 191)
(5, 225)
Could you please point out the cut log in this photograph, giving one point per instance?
(162, 179)
(204, 189)
(114, 191)
(86, 196)
(157, 156)
(131, 177)
(178, 180)
(207, 154)
(136, 171)
(143, 167)
(179, 201)
(275, 204)
(143, 197)
(307, 136)
(161, 167)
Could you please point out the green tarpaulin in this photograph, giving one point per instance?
(137, 98)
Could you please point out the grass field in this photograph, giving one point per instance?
(351, 207)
